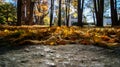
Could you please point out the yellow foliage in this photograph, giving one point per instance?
(52, 43)
(37, 13)
(63, 35)
(10, 19)
(32, 31)
(75, 15)
(16, 31)
(74, 3)
(7, 31)
(47, 20)
(97, 38)
(45, 8)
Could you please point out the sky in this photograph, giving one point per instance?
(8, 1)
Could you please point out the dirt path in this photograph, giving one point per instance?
(59, 56)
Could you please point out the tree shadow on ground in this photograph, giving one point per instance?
(107, 52)
(6, 49)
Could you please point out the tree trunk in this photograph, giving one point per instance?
(112, 13)
(29, 11)
(114, 16)
(80, 12)
(59, 15)
(119, 20)
(67, 12)
(94, 18)
(99, 10)
(19, 12)
(30, 21)
(42, 17)
(52, 11)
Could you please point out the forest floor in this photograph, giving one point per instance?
(36, 46)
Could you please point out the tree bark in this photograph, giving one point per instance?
(114, 16)
(30, 21)
(94, 18)
(119, 20)
(67, 12)
(99, 10)
(52, 11)
(59, 15)
(80, 12)
(29, 11)
(19, 12)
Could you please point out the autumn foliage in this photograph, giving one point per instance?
(30, 35)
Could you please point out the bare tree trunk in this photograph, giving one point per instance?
(59, 15)
(52, 11)
(80, 12)
(29, 11)
(39, 20)
(30, 21)
(112, 12)
(23, 10)
(94, 18)
(19, 12)
(114, 16)
(66, 2)
(119, 21)
(67, 12)
(99, 10)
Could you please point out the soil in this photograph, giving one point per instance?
(59, 56)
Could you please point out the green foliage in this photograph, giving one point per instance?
(7, 13)
(2, 19)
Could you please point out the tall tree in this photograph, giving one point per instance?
(67, 11)
(19, 12)
(59, 15)
(52, 11)
(66, 3)
(99, 10)
(29, 11)
(114, 16)
(80, 12)
(119, 21)
(41, 11)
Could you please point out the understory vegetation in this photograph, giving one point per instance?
(8, 14)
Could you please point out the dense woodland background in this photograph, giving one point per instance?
(41, 12)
